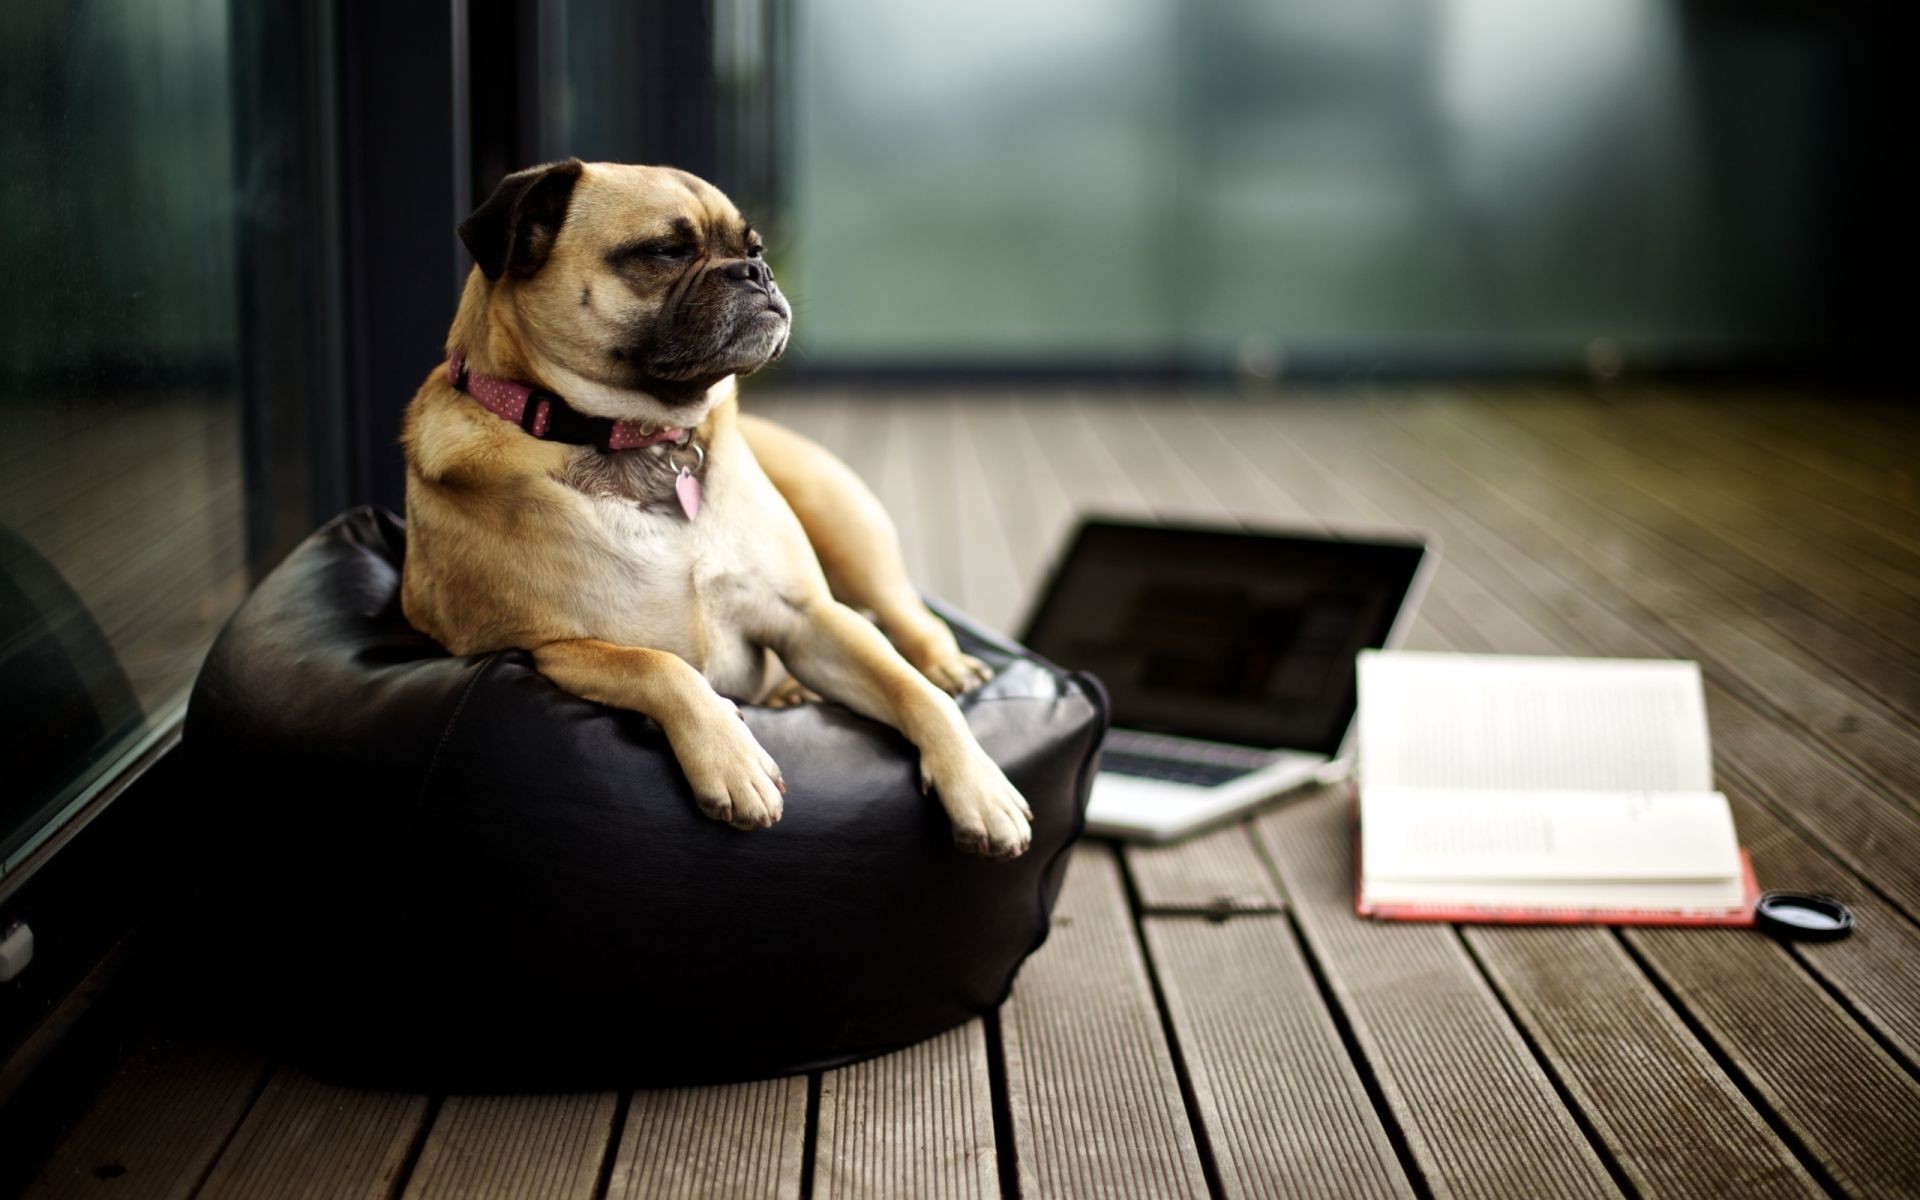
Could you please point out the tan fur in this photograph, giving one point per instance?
(632, 606)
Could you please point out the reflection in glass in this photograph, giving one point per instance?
(121, 507)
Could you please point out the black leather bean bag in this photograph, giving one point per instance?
(466, 878)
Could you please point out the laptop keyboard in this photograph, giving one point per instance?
(1173, 770)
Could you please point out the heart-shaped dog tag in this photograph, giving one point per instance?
(687, 488)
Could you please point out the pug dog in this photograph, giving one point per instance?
(582, 485)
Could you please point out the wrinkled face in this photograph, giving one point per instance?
(640, 279)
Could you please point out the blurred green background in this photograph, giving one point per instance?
(1234, 184)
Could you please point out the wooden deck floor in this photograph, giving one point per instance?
(1159, 1047)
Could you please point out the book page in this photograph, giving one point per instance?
(1417, 834)
(1511, 722)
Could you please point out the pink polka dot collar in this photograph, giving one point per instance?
(546, 416)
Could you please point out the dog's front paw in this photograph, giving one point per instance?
(990, 818)
(732, 778)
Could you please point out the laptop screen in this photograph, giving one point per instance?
(1225, 636)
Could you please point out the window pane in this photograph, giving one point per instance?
(123, 515)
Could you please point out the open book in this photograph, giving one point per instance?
(1497, 788)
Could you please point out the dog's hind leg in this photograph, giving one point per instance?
(732, 778)
(788, 693)
(859, 550)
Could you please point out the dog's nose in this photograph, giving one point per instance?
(750, 270)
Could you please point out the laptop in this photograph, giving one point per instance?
(1228, 656)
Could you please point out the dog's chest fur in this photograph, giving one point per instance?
(691, 587)
(639, 477)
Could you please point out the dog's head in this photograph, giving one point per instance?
(631, 290)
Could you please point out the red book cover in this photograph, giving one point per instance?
(1490, 915)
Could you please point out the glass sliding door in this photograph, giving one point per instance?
(136, 498)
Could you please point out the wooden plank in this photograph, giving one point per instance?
(1284, 1108)
(1162, 477)
(894, 482)
(1853, 1108)
(1854, 819)
(1799, 1078)
(156, 1128)
(1877, 969)
(1093, 1094)
(743, 1140)
(1721, 527)
(307, 1139)
(1479, 1114)
(1217, 872)
(1031, 510)
(1672, 1121)
(1086, 475)
(1851, 817)
(1787, 797)
(1282, 1103)
(931, 455)
(1530, 570)
(918, 1122)
(1758, 1158)
(985, 477)
(1742, 650)
(998, 591)
(1857, 466)
(1055, 508)
(1759, 469)
(1231, 470)
(860, 436)
(542, 1147)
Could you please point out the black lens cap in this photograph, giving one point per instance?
(1803, 917)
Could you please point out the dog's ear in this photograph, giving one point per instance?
(514, 230)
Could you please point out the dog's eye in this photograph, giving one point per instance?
(755, 251)
(655, 252)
